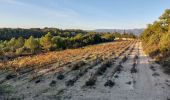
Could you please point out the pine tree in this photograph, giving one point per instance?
(165, 19)
(20, 42)
(46, 41)
(11, 44)
(31, 44)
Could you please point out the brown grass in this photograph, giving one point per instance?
(61, 58)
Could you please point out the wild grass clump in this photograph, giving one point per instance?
(103, 68)
(166, 65)
(118, 69)
(77, 66)
(52, 83)
(91, 81)
(124, 59)
(152, 68)
(133, 70)
(60, 77)
(71, 82)
(109, 83)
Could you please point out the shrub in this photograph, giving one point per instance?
(109, 83)
(52, 83)
(91, 81)
(1, 52)
(70, 82)
(60, 77)
(19, 51)
(164, 44)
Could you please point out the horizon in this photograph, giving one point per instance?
(84, 15)
(69, 28)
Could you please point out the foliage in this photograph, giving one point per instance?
(156, 36)
(31, 44)
(164, 44)
(156, 39)
(46, 42)
(55, 39)
(109, 37)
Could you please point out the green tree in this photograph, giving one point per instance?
(1, 51)
(164, 44)
(20, 42)
(11, 44)
(31, 44)
(19, 51)
(108, 37)
(47, 42)
(57, 42)
(165, 19)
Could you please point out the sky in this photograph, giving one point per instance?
(80, 14)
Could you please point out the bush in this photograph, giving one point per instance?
(19, 51)
(60, 77)
(164, 44)
(1, 52)
(91, 81)
(109, 83)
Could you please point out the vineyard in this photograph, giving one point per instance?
(103, 71)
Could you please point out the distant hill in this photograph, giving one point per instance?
(135, 31)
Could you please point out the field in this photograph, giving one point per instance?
(117, 70)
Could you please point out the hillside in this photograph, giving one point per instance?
(135, 31)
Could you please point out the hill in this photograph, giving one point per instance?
(135, 31)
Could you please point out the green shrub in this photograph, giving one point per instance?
(19, 51)
(164, 44)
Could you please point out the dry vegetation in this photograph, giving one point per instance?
(66, 57)
(40, 72)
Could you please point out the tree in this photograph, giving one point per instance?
(108, 37)
(31, 44)
(57, 42)
(1, 51)
(11, 44)
(165, 19)
(19, 51)
(164, 44)
(46, 41)
(20, 42)
(156, 37)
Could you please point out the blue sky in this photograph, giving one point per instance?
(81, 14)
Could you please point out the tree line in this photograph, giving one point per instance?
(156, 38)
(51, 41)
(8, 33)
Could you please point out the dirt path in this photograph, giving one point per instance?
(145, 81)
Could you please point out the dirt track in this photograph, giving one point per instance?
(145, 84)
(134, 76)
